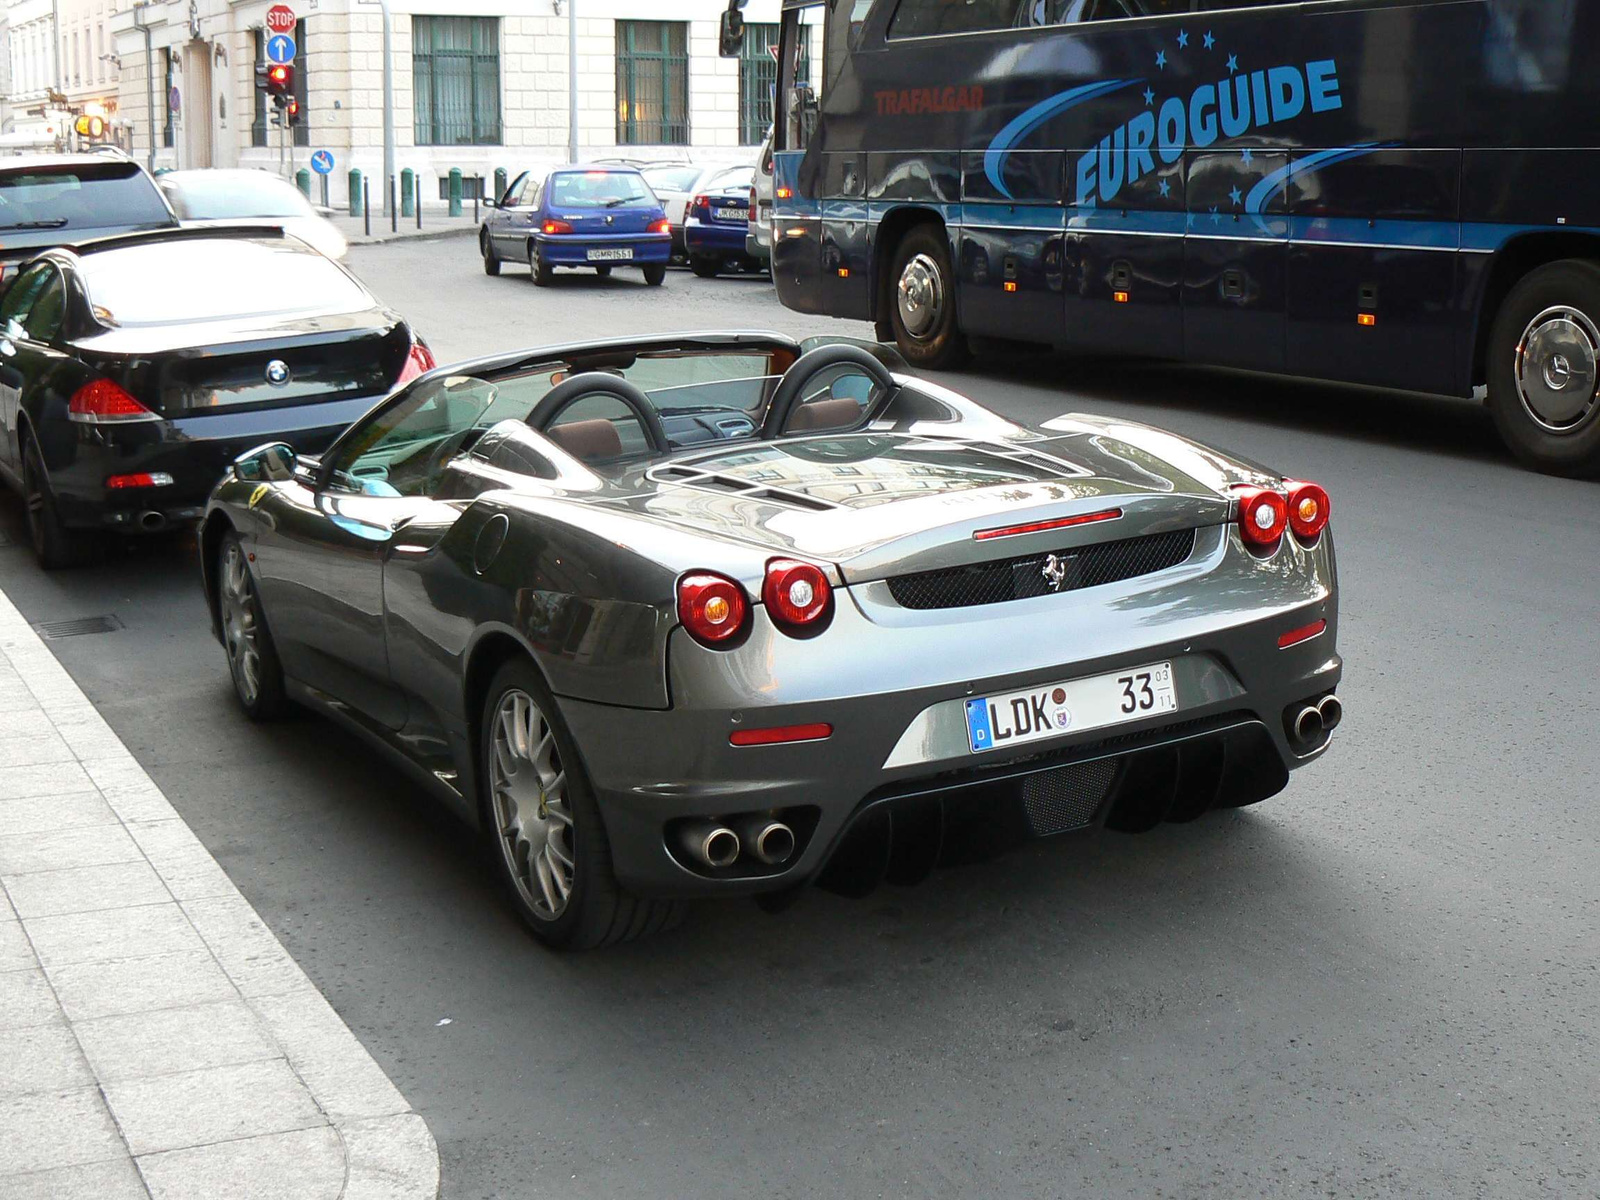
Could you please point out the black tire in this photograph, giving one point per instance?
(244, 628)
(940, 346)
(540, 271)
(602, 271)
(54, 545)
(596, 911)
(706, 268)
(1556, 308)
(655, 274)
(491, 260)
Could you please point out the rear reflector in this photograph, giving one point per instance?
(984, 535)
(143, 479)
(1304, 634)
(781, 733)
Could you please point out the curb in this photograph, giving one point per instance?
(426, 235)
(343, 1131)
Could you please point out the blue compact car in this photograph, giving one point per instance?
(591, 217)
(717, 221)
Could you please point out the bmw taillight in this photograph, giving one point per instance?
(419, 361)
(554, 226)
(1263, 515)
(101, 401)
(712, 607)
(797, 594)
(1309, 509)
(661, 226)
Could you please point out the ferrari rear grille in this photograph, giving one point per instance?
(1021, 578)
(1067, 798)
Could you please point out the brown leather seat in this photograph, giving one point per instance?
(824, 414)
(587, 440)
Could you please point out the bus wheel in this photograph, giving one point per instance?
(922, 301)
(1544, 369)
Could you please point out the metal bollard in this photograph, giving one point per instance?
(455, 192)
(499, 182)
(302, 180)
(366, 209)
(394, 213)
(477, 194)
(408, 192)
(355, 193)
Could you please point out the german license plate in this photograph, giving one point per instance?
(730, 214)
(624, 253)
(995, 722)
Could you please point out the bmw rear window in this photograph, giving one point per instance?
(200, 279)
(82, 196)
(599, 189)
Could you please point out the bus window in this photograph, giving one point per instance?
(930, 18)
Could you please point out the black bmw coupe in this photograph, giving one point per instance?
(133, 369)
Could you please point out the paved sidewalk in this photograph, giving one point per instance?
(155, 1038)
(434, 225)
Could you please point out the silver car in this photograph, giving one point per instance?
(724, 614)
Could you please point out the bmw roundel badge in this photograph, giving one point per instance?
(277, 372)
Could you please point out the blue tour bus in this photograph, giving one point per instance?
(1403, 193)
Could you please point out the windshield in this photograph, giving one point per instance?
(599, 189)
(671, 179)
(202, 279)
(83, 196)
(225, 195)
(732, 177)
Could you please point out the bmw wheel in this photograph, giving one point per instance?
(491, 260)
(922, 301)
(540, 270)
(54, 544)
(1544, 369)
(252, 657)
(547, 840)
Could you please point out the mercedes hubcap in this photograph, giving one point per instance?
(920, 296)
(239, 624)
(1558, 369)
(529, 788)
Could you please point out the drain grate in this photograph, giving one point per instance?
(76, 627)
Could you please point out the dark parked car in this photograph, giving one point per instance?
(718, 614)
(718, 220)
(62, 198)
(134, 369)
(592, 217)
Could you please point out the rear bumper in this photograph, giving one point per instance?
(572, 250)
(706, 237)
(888, 682)
(195, 451)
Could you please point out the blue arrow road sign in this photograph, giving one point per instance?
(280, 48)
(322, 162)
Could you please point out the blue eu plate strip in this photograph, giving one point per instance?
(978, 732)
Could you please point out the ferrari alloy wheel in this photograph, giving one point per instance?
(542, 827)
(1544, 369)
(921, 303)
(252, 660)
(529, 796)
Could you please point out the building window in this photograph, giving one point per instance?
(455, 80)
(261, 126)
(652, 83)
(758, 76)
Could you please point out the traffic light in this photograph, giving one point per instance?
(291, 111)
(90, 126)
(280, 81)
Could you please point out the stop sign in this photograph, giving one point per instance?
(280, 19)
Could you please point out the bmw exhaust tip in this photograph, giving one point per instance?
(770, 842)
(1308, 725)
(1331, 711)
(710, 844)
(152, 520)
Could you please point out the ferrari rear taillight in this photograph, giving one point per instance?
(661, 226)
(1309, 509)
(712, 607)
(1263, 515)
(101, 401)
(554, 226)
(797, 594)
(419, 361)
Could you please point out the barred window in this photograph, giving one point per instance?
(455, 80)
(652, 83)
(758, 76)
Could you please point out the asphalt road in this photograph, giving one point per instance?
(1382, 982)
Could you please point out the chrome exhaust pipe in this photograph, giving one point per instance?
(771, 842)
(152, 520)
(1331, 711)
(710, 844)
(1307, 725)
